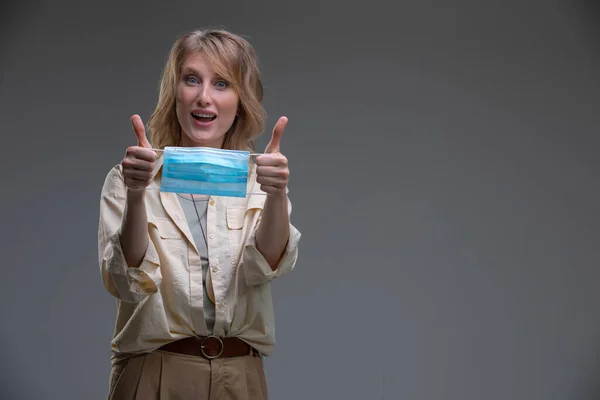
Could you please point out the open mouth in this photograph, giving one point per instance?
(204, 117)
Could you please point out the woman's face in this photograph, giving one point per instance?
(206, 105)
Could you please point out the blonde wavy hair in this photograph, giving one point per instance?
(232, 57)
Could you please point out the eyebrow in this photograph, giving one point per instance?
(189, 70)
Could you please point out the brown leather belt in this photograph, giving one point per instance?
(210, 347)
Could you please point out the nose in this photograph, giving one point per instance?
(204, 95)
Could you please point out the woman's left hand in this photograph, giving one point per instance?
(272, 167)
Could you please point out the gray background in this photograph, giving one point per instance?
(444, 160)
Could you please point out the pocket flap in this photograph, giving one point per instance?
(166, 228)
(235, 217)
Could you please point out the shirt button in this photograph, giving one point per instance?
(211, 236)
(214, 270)
(212, 202)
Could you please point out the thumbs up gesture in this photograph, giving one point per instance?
(272, 167)
(138, 163)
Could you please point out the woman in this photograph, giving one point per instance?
(191, 273)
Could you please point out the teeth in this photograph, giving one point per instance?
(202, 115)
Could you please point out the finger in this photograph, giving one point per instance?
(274, 144)
(140, 131)
(272, 171)
(137, 174)
(271, 181)
(138, 165)
(144, 154)
(272, 190)
(137, 180)
(271, 160)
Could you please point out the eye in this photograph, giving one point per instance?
(222, 84)
(191, 80)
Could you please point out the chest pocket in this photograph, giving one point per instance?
(235, 217)
(236, 231)
(167, 237)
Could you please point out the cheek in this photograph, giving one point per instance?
(233, 104)
(182, 99)
(179, 109)
(184, 96)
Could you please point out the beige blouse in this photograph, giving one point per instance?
(162, 299)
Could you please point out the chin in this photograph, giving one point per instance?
(205, 139)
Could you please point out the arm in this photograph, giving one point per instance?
(129, 262)
(134, 228)
(273, 232)
(120, 278)
(273, 249)
(257, 268)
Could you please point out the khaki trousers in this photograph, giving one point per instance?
(162, 375)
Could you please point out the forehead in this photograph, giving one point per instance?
(206, 63)
(197, 61)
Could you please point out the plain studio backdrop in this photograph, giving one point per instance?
(444, 175)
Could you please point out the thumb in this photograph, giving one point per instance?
(140, 131)
(273, 146)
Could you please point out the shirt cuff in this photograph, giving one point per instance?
(257, 269)
(132, 283)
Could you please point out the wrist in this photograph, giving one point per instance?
(135, 195)
(277, 197)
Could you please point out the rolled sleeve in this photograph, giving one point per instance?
(129, 284)
(257, 269)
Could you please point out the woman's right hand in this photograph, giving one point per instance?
(138, 163)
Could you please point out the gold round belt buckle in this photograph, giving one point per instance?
(221, 347)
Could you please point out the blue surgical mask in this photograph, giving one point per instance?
(205, 170)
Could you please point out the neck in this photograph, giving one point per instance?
(187, 142)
